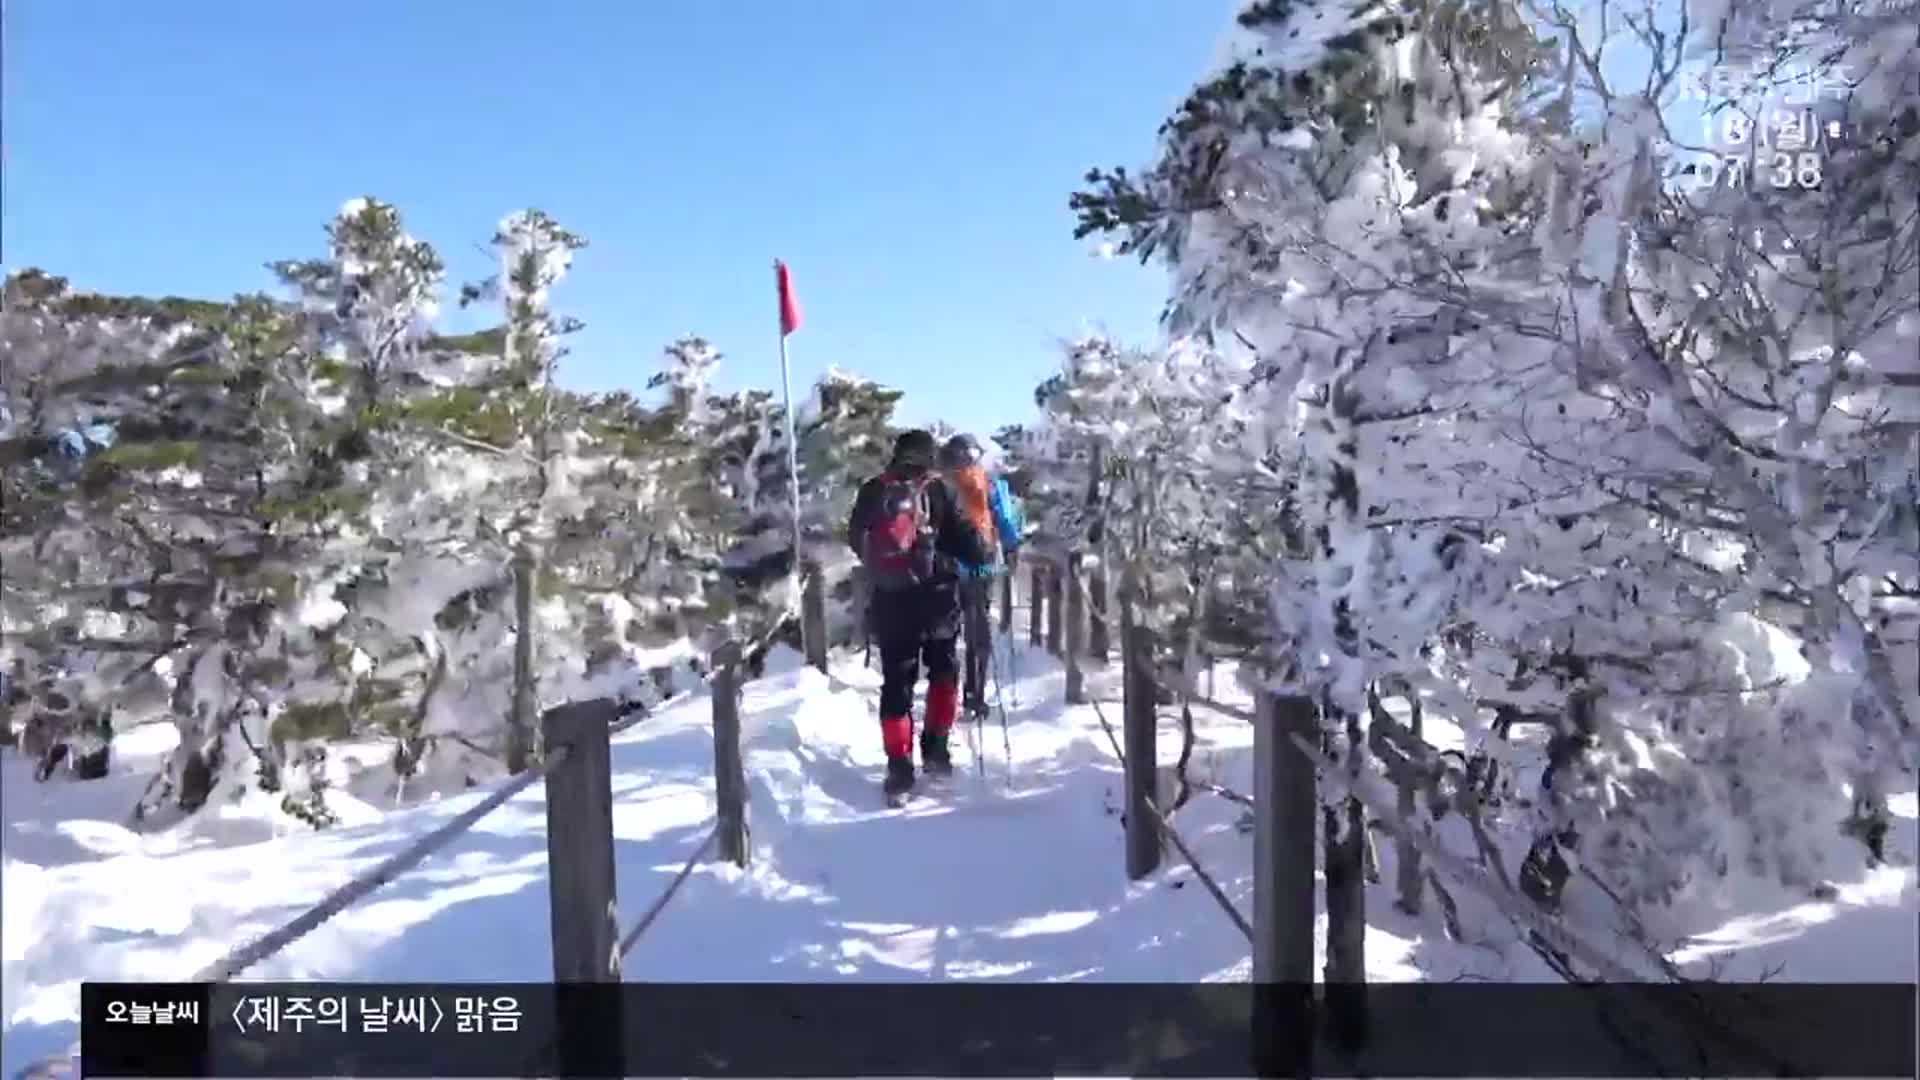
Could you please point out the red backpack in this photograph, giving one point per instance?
(898, 546)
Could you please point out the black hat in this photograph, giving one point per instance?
(961, 451)
(916, 446)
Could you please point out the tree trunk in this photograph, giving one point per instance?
(1098, 642)
(1191, 643)
(1036, 603)
(520, 716)
(1545, 872)
(1076, 679)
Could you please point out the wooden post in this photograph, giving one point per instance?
(1345, 844)
(1076, 627)
(1143, 754)
(1056, 608)
(1099, 644)
(1006, 603)
(813, 614)
(1406, 856)
(1037, 602)
(580, 883)
(729, 773)
(580, 842)
(1283, 885)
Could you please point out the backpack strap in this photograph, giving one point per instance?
(924, 507)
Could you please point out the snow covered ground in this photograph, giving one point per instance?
(1015, 874)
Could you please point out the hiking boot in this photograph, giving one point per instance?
(934, 756)
(899, 776)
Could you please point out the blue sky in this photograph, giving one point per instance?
(910, 161)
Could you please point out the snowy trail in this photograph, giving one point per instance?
(981, 879)
(985, 880)
(975, 882)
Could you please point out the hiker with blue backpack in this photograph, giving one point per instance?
(989, 507)
(908, 529)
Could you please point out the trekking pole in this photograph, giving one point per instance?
(1013, 670)
(1000, 704)
(866, 627)
(866, 620)
(979, 718)
(979, 746)
(1007, 748)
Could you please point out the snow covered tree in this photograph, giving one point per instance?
(1347, 159)
(535, 252)
(1160, 498)
(187, 530)
(90, 410)
(285, 523)
(1763, 339)
(1436, 250)
(1380, 210)
(731, 471)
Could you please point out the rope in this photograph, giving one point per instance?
(388, 869)
(400, 862)
(1233, 711)
(660, 904)
(1166, 827)
(240, 959)
(1226, 793)
(1547, 930)
(393, 866)
(1219, 894)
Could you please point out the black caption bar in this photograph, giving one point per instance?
(992, 1030)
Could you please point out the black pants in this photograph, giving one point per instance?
(900, 663)
(912, 629)
(976, 607)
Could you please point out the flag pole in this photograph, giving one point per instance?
(793, 445)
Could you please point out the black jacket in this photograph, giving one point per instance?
(934, 607)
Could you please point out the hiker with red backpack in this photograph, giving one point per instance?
(907, 529)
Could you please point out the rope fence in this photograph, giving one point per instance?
(1290, 763)
(1140, 705)
(383, 873)
(590, 726)
(660, 903)
(1288, 813)
(1166, 827)
(724, 680)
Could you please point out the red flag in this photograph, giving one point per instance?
(789, 307)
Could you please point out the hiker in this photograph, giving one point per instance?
(907, 530)
(989, 507)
